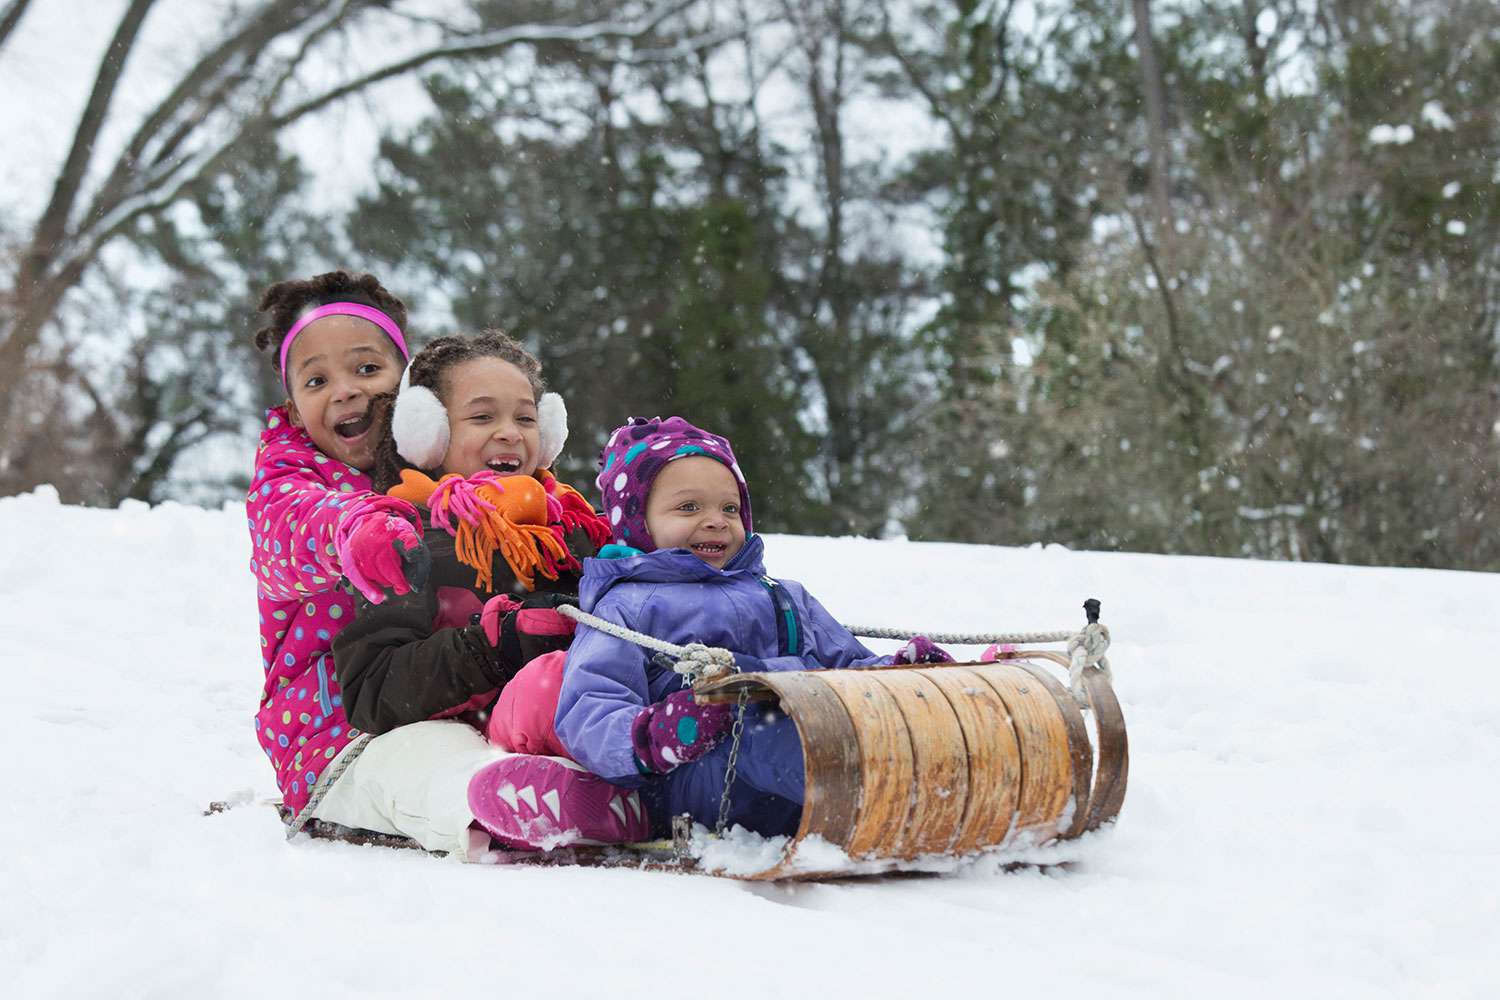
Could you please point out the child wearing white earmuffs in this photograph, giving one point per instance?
(468, 440)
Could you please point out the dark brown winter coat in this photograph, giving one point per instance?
(424, 655)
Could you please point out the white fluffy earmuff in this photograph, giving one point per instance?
(552, 422)
(419, 423)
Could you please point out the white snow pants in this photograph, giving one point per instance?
(414, 781)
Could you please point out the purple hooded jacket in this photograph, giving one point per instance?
(673, 595)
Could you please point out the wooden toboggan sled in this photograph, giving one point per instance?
(911, 765)
(906, 763)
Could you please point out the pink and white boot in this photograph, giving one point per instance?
(545, 802)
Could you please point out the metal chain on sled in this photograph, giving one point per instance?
(730, 767)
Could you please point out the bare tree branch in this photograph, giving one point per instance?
(996, 91)
(935, 103)
(1177, 352)
(229, 63)
(487, 44)
(10, 17)
(54, 219)
(183, 433)
(57, 258)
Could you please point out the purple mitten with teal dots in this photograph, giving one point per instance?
(677, 730)
(920, 649)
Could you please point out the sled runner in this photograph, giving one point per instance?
(906, 765)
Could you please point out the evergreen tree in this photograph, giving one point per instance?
(1013, 200)
(642, 291)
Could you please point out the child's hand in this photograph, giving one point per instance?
(492, 619)
(920, 649)
(677, 730)
(379, 549)
(522, 630)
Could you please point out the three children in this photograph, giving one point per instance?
(455, 552)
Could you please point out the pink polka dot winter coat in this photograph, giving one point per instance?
(296, 499)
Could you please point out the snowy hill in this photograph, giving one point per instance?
(1311, 803)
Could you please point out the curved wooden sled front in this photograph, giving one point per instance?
(940, 760)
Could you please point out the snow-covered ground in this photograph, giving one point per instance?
(1312, 807)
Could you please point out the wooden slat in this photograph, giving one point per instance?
(994, 759)
(830, 755)
(886, 769)
(1046, 771)
(1080, 752)
(940, 763)
(1114, 750)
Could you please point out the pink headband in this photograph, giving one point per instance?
(370, 313)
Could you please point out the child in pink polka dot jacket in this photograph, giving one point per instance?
(336, 342)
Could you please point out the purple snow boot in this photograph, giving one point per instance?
(545, 802)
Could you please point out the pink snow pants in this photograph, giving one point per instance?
(521, 720)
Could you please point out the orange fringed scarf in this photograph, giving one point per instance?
(575, 511)
(523, 517)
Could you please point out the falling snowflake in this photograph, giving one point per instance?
(1392, 135)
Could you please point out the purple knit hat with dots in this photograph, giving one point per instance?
(636, 454)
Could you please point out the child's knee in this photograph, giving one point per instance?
(771, 757)
(522, 720)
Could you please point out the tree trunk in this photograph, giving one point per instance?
(10, 17)
(37, 292)
(1154, 88)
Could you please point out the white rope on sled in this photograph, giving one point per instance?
(326, 781)
(696, 661)
(963, 638)
(1086, 648)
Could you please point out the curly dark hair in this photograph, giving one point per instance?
(429, 367)
(287, 301)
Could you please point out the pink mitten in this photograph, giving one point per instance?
(492, 618)
(522, 630)
(378, 548)
(920, 649)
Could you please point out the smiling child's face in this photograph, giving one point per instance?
(695, 505)
(492, 419)
(336, 366)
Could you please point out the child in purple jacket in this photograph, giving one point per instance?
(687, 568)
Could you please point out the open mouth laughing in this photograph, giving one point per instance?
(505, 465)
(353, 427)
